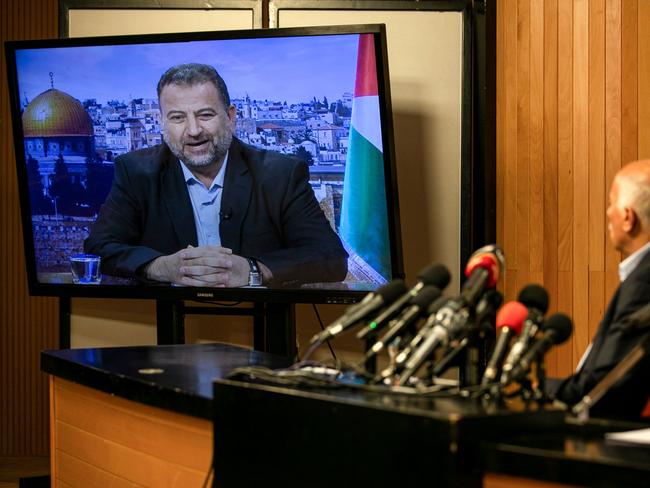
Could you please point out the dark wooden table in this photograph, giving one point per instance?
(346, 438)
(137, 416)
(575, 454)
(277, 436)
(175, 377)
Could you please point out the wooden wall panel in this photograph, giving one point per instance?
(509, 153)
(536, 146)
(595, 231)
(550, 161)
(565, 135)
(501, 118)
(565, 173)
(580, 172)
(615, 99)
(522, 193)
(629, 129)
(595, 91)
(643, 100)
(27, 325)
(629, 76)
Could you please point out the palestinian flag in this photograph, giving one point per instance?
(364, 217)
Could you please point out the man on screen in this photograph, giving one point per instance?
(205, 209)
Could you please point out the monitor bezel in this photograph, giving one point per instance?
(166, 291)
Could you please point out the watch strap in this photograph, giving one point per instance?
(254, 274)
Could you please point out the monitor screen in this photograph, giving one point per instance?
(251, 164)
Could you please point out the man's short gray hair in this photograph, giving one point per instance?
(194, 74)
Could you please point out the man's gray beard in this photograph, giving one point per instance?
(221, 146)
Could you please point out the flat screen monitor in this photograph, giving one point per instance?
(156, 166)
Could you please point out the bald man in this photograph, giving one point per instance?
(629, 230)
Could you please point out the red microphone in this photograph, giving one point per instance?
(482, 270)
(489, 262)
(510, 320)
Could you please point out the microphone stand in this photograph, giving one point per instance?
(370, 364)
(539, 393)
(445, 362)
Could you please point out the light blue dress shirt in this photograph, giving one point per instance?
(630, 263)
(206, 205)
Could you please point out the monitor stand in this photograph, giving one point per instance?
(274, 324)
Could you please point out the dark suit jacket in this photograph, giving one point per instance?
(614, 339)
(268, 212)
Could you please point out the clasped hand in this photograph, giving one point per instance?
(208, 266)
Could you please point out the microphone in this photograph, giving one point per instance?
(424, 330)
(419, 304)
(371, 302)
(449, 322)
(557, 329)
(510, 319)
(535, 298)
(482, 270)
(485, 310)
(435, 275)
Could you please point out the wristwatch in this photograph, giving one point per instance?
(254, 275)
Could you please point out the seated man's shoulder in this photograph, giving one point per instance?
(639, 279)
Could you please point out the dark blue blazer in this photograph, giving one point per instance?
(268, 212)
(614, 339)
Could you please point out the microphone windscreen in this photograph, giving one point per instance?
(436, 305)
(512, 315)
(560, 324)
(436, 275)
(490, 258)
(487, 307)
(391, 291)
(487, 261)
(492, 298)
(534, 296)
(427, 295)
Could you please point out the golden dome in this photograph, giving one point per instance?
(55, 113)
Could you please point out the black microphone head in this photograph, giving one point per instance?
(391, 291)
(427, 295)
(436, 305)
(436, 275)
(492, 300)
(561, 325)
(534, 296)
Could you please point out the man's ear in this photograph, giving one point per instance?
(232, 116)
(630, 220)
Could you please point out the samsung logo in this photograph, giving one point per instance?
(205, 295)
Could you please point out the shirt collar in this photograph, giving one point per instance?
(630, 263)
(218, 180)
